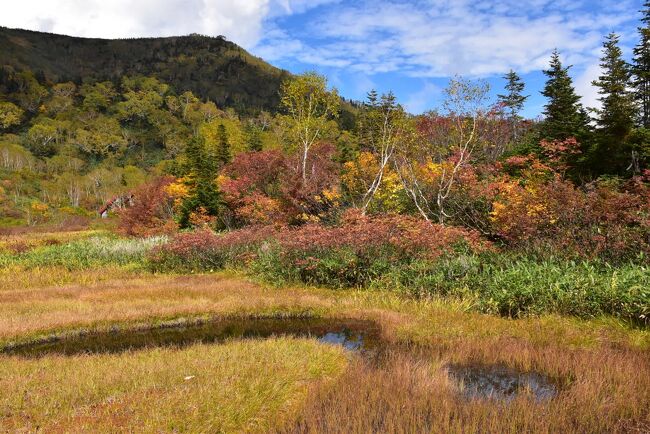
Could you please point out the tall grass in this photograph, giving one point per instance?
(235, 387)
(85, 253)
(413, 393)
(515, 285)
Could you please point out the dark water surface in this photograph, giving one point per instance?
(501, 383)
(355, 335)
(361, 336)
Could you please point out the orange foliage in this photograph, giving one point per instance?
(152, 211)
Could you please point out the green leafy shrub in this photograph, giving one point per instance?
(517, 286)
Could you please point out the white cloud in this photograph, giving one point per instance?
(290, 7)
(440, 38)
(240, 21)
(585, 89)
(419, 101)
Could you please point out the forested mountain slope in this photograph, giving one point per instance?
(212, 68)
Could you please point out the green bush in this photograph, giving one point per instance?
(337, 268)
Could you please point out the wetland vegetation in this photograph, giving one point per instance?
(113, 346)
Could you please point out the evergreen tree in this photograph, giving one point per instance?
(641, 69)
(347, 145)
(514, 100)
(223, 155)
(253, 137)
(201, 172)
(615, 118)
(372, 98)
(564, 115)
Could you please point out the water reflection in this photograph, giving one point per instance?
(502, 383)
(355, 335)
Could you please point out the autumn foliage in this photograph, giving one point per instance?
(267, 187)
(394, 237)
(152, 210)
(544, 212)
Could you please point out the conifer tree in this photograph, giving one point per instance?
(615, 117)
(223, 155)
(372, 98)
(641, 69)
(514, 100)
(253, 138)
(564, 115)
(201, 174)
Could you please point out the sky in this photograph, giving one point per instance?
(410, 47)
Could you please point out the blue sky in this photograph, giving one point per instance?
(414, 47)
(411, 47)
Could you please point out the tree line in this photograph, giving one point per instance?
(69, 147)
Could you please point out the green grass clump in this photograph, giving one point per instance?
(85, 253)
(582, 289)
(498, 283)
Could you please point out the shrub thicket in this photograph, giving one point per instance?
(413, 257)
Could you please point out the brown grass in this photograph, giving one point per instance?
(22, 242)
(69, 224)
(411, 392)
(40, 310)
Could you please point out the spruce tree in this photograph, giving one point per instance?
(201, 173)
(253, 137)
(641, 69)
(514, 100)
(564, 115)
(372, 97)
(223, 155)
(615, 117)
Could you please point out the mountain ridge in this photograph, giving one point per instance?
(211, 67)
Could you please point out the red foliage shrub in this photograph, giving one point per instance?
(253, 171)
(267, 187)
(151, 212)
(251, 187)
(406, 237)
(188, 243)
(560, 152)
(307, 198)
(597, 221)
(204, 249)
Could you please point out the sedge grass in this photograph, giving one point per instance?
(250, 386)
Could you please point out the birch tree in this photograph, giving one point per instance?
(309, 107)
(382, 127)
(429, 166)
